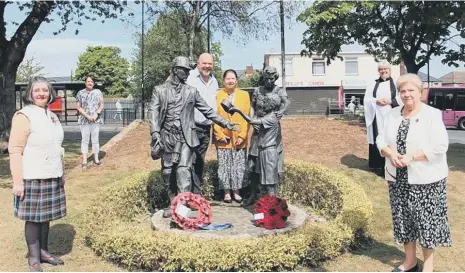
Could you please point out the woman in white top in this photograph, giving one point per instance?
(89, 103)
(37, 169)
(415, 141)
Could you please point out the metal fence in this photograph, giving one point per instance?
(130, 110)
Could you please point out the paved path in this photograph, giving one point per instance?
(456, 136)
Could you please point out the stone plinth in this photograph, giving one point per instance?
(240, 218)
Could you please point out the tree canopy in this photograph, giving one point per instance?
(29, 68)
(105, 64)
(408, 31)
(162, 43)
(12, 50)
(236, 20)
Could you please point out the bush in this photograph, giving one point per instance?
(113, 232)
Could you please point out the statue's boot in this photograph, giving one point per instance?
(254, 194)
(167, 213)
(166, 174)
(272, 189)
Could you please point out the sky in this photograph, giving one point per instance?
(59, 53)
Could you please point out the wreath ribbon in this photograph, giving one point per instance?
(194, 201)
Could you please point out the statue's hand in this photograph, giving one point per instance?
(232, 126)
(279, 114)
(233, 110)
(256, 127)
(155, 136)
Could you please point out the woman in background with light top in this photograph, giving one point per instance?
(90, 105)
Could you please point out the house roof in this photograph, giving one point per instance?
(240, 73)
(60, 79)
(424, 77)
(454, 77)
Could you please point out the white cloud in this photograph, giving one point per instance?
(60, 56)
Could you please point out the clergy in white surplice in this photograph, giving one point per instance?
(380, 97)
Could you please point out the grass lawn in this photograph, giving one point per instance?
(333, 143)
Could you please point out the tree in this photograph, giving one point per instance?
(408, 31)
(28, 69)
(106, 65)
(12, 51)
(217, 69)
(162, 43)
(249, 19)
(252, 81)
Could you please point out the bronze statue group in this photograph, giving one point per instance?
(175, 141)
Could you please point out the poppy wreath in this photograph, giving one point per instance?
(193, 201)
(275, 212)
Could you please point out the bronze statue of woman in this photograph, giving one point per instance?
(266, 157)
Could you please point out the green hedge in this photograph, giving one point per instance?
(113, 231)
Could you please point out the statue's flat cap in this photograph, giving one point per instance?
(182, 61)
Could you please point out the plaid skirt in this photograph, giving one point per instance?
(44, 201)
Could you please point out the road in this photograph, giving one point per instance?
(456, 136)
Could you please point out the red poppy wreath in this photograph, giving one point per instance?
(273, 212)
(193, 201)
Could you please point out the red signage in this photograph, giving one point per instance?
(302, 84)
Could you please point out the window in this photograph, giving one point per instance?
(460, 101)
(289, 66)
(449, 101)
(351, 65)
(318, 67)
(436, 99)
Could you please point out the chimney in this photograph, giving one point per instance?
(249, 70)
(402, 68)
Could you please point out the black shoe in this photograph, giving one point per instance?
(53, 260)
(167, 213)
(413, 269)
(98, 163)
(36, 268)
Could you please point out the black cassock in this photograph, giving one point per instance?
(375, 160)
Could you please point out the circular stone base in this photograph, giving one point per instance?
(240, 218)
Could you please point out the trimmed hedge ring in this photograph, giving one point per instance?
(113, 226)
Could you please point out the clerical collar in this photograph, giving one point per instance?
(381, 79)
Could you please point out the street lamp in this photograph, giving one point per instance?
(142, 64)
(208, 27)
(283, 46)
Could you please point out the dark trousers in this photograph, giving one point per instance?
(178, 173)
(375, 160)
(203, 134)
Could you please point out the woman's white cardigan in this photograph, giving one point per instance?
(427, 133)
